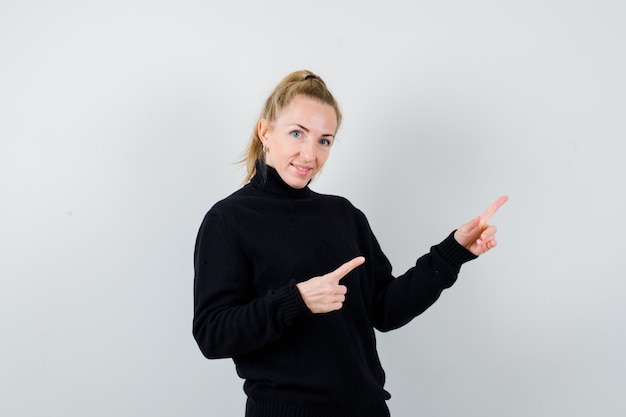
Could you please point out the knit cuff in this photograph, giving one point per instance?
(453, 252)
(292, 305)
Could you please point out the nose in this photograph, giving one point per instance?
(307, 150)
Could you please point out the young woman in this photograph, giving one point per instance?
(291, 284)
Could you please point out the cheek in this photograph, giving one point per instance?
(323, 157)
(285, 149)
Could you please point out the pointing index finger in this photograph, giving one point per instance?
(346, 268)
(493, 208)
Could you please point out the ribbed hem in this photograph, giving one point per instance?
(453, 252)
(262, 409)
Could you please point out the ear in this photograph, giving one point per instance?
(263, 128)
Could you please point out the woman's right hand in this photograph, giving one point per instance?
(324, 294)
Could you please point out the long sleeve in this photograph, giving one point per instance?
(229, 318)
(398, 300)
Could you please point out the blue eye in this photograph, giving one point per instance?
(325, 142)
(296, 133)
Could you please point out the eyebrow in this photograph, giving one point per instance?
(307, 131)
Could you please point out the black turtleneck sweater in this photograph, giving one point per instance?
(252, 249)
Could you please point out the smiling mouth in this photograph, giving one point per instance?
(302, 169)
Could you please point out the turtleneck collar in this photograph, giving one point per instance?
(267, 178)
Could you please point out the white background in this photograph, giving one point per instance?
(119, 125)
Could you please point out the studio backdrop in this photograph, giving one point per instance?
(121, 123)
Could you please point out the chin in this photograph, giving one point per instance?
(298, 184)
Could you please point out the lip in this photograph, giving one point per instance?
(302, 170)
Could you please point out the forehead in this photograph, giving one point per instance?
(310, 113)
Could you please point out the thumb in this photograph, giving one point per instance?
(470, 226)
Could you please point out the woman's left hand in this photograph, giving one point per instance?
(477, 235)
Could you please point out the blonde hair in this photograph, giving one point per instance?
(297, 83)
